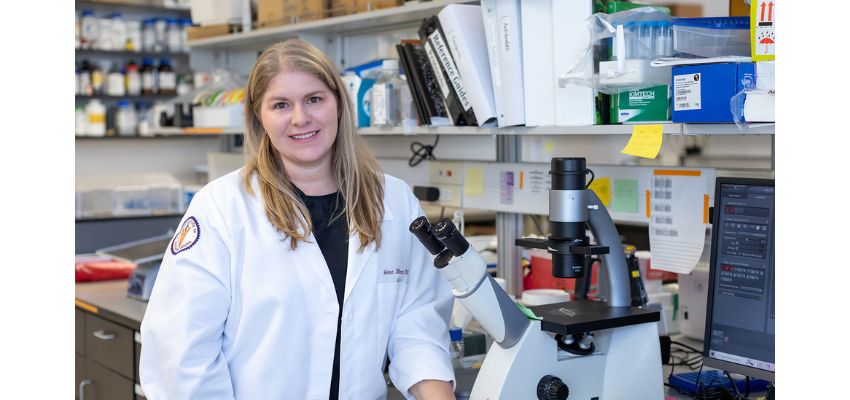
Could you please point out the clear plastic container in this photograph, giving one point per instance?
(174, 37)
(104, 35)
(115, 85)
(185, 23)
(119, 32)
(95, 118)
(712, 37)
(385, 96)
(148, 35)
(125, 119)
(89, 27)
(134, 36)
(160, 29)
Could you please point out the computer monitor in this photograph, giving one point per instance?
(740, 317)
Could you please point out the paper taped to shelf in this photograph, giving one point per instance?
(676, 219)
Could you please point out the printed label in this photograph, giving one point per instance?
(450, 68)
(438, 73)
(686, 89)
(506, 192)
(380, 111)
(167, 80)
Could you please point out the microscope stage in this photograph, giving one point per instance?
(585, 315)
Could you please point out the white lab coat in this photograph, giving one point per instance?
(238, 314)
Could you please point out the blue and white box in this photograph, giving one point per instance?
(702, 93)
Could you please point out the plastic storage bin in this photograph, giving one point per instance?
(712, 37)
(128, 195)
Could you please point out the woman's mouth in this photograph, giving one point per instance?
(306, 135)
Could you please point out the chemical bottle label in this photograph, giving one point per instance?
(380, 108)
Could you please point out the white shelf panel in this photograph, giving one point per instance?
(388, 17)
(591, 130)
(727, 129)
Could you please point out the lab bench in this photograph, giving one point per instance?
(107, 345)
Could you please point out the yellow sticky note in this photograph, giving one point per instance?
(602, 188)
(473, 182)
(645, 141)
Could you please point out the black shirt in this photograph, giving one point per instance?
(331, 232)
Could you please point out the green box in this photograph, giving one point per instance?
(650, 104)
(611, 7)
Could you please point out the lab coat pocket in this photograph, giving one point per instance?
(390, 296)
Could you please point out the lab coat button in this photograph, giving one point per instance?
(349, 317)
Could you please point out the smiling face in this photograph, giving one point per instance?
(300, 115)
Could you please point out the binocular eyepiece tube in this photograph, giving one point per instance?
(443, 235)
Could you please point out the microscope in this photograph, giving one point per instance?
(582, 349)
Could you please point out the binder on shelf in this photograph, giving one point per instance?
(445, 69)
(502, 26)
(538, 72)
(423, 84)
(575, 104)
(463, 25)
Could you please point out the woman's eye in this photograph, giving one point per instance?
(313, 100)
(280, 106)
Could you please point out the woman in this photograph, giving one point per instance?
(295, 277)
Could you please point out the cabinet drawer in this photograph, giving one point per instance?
(106, 385)
(79, 374)
(109, 344)
(80, 332)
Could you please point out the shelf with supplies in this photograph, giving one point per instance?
(411, 13)
(126, 97)
(667, 128)
(116, 53)
(172, 132)
(154, 6)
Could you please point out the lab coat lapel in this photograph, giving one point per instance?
(357, 260)
(311, 255)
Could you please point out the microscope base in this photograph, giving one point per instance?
(626, 365)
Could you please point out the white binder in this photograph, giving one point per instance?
(463, 26)
(574, 103)
(538, 62)
(502, 26)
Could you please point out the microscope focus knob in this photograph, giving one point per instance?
(551, 387)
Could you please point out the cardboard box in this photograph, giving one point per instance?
(650, 104)
(284, 12)
(702, 93)
(345, 7)
(202, 32)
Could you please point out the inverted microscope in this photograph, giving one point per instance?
(582, 349)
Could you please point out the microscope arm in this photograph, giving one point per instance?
(484, 298)
(603, 229)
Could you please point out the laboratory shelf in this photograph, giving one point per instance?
(728, 129)
(135, 98)
(130, 6)
(128, 54)
(590, 130)
(409, 14)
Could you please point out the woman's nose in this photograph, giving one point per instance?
(300, 116)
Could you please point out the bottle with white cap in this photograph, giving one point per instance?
(385, 96)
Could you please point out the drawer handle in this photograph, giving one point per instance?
(103, 335)
(83, 385)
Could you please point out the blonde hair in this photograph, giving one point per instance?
(360, 179)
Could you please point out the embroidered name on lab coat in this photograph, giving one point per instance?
(392, 274)
(187, 236)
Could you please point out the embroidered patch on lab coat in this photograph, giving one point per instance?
(188, 235)
(392, 274)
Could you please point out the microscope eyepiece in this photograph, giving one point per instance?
(421, 228)
(448, 234)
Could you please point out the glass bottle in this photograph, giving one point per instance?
(149, 75)
(167, 78)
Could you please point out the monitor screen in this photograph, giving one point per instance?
(740, 319)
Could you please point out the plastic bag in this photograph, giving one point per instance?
(634, 37)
